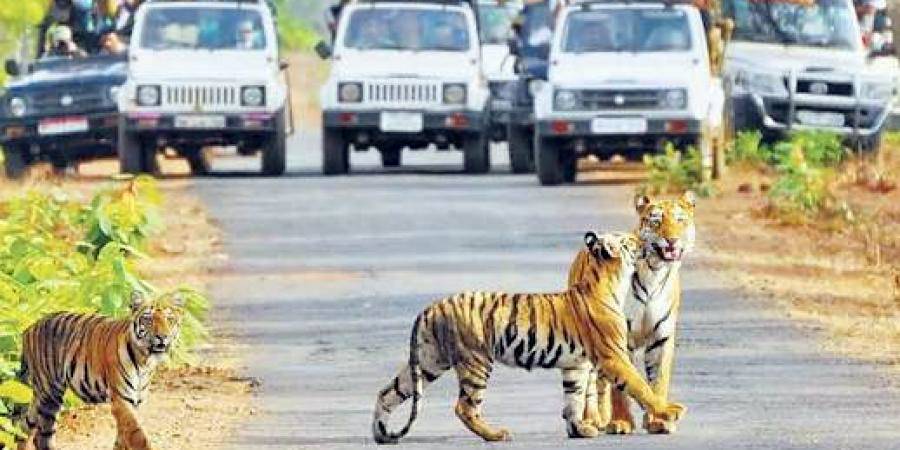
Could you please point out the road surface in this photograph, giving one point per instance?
(327, 274)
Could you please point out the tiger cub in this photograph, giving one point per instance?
(101, 360)
(571, 330)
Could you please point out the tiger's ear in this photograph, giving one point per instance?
(138, 300)
(688, 199)
(599, 247)
(641, 202)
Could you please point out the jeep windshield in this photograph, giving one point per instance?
(181, 28)
(627, 30)
(817, 23)
(407, 29)
(496, 23)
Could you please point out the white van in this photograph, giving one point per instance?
(203, 73)
(625, 78)
(404, 74)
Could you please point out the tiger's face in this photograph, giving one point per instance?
(604, 247)
(666, 226)
(156, 324)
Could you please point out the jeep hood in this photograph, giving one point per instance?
(220, 65)
(786, 58)
(74, 71)
(404, 64)
(626, 69)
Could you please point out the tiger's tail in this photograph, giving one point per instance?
(379, 427)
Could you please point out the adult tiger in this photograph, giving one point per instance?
(667, 231)
(101, 360)
(573, 330)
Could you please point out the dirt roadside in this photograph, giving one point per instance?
(189, 408)
(840, 279)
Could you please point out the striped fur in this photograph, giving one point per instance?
(99, 359)
(571, 330)
(667, 230)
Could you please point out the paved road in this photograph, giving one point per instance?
(327, 274)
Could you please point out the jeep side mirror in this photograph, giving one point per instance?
(323, 50)
(513, 45)
(12, 68)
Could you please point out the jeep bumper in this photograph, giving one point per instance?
(848, 116)
(61, 132)
(583, 136)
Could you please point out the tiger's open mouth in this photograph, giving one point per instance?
(668, 253)
(159, 348)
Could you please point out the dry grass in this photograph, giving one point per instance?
(193, 408)
(842, 277)
(308, 73)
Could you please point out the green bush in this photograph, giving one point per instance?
(59, 254)
(674, 172)
(801, 189)
(747, 148)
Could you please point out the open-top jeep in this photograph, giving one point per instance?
(625, 78)
(204, 73)
(404, 74)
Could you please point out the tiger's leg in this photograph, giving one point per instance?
(128, 430)
(622, 372)
(473, 377)
(42, 416)
(659, 362)
(599, 411)
(29, 427)
(621, 421)
(576, 383)
(399, 390)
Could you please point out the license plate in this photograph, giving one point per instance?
(501, 104)
(63, 125)
(619, 125)
(200, 121)
(402, 122)
(820, 119)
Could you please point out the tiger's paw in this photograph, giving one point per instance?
(620, 426)
(658, 426)
(582, 430)
(500, 434)
(673, 412)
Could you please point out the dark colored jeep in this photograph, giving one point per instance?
(61, 110)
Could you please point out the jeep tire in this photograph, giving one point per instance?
(476, 154)
(14, 161)
(521, 151)
(197, 160)
(335, 152)
(274, 152)
(391, 156)
(136, 156)
(549, 164)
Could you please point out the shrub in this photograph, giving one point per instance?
(58, 254)
(674, 172)
(747, 148)
(801, 189)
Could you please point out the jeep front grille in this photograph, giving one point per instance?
(70, 99)
(403, 93)
(203, 96)
(613, 99)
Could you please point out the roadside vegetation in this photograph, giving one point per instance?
(810, 224)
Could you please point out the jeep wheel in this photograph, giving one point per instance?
(335, 153)
(197, 161)
(391, 157)
(476, 154)
(14, 162)
(550, 168)
(570, 169)
(274, 152)
(521, 152)
(136, 155)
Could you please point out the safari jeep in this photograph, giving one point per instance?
(203, 73)
(495, 24)
(625, 78)
(404, 74)
(799, 65)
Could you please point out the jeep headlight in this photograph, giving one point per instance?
(566, 100)
(877, 91)
(350, 92)
(17, 106)
(148, 95)
(455, 94)
(253, 96)
(762, 83)
(673, 99)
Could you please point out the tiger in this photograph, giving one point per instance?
(101, 360)
(667, 230)
(572, 330)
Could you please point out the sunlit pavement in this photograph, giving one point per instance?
(326, 275)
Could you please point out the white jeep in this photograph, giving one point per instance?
(624, 79)
(404, 74)
(203, 73)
